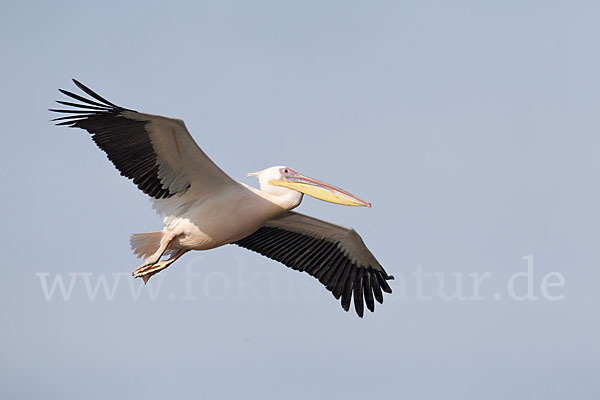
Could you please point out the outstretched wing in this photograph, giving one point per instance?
(333, 254)
(157, 153)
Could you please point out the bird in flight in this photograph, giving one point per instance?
(204, 208)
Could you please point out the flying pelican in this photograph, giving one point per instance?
(204, 208)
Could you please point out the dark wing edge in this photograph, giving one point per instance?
(325, 260)
(125, 141)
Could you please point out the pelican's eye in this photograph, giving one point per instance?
(287, 171)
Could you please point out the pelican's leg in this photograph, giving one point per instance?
(168, 236)
(146, 272)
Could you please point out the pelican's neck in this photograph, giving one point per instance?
(287, 199)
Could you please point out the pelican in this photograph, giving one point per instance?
(203, 208)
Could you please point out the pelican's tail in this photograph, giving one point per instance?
(145, 244)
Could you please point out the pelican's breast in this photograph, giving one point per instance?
(222, 219)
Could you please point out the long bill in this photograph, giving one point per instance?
(319, 190)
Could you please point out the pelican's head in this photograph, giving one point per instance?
(279, 180)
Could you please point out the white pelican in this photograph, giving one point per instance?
(204, 208)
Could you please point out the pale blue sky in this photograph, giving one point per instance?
(472, 127)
